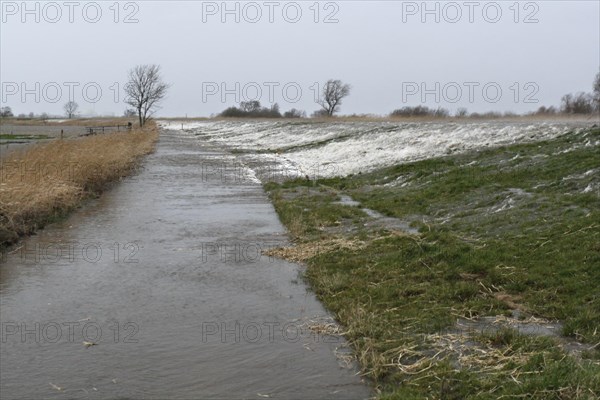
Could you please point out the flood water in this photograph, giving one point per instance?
(158, 289)
(51, 131)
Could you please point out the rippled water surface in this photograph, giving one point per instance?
(158, 289)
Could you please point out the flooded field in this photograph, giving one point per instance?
(168, 284)
(13, 137)
(159, 289)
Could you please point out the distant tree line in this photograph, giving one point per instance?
(578, 103)
(145, 89)
(252, 109)
(420, 111)
(6, 112)
(440, 112)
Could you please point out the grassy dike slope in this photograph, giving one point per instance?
(510, 232)
(45, 181)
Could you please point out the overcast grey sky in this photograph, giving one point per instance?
(482, 55)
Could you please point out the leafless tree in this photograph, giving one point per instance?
(144, 90)
(294, 113)
(543, 110)
(580, 103)
(441, 112)
(250, 106)
(333, 93)
(461, 112)
(70, 108)
(6, 112)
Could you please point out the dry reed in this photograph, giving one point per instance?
(44, 181)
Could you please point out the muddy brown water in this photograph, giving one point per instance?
(163, 280)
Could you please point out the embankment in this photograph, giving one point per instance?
(43, 182)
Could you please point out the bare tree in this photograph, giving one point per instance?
(461, 112)
(6, 112)
(580, 103)
(70, 108)
(250, 106)
(144, 90)
(333, 93)
(294, 113)
(441, 112)
(543, 110)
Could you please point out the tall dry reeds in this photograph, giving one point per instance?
(44, 181)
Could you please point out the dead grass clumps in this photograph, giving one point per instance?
(44, 181)
(305, 251)
(324, 326)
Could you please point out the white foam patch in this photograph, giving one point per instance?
(179, 125)
(323, 149)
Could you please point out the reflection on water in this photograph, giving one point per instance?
(159, 289)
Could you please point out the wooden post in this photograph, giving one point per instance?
(61, 134)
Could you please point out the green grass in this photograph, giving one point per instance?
(504, 229)
(9, 136)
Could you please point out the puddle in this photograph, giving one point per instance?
(379, 219)
(489, 325)
(346, 200)
(529, 326)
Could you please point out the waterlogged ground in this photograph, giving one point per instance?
(276, 149)
(461, 259)
(469, 276)
(159, 289)
(14, 137)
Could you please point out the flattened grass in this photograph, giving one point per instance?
(503, 232)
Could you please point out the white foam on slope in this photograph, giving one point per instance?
(328, 149)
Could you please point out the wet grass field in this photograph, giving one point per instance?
(508, 237)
